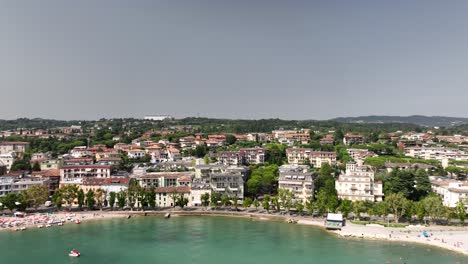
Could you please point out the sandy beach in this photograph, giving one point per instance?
(448, 237)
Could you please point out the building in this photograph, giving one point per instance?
(199, 188)
(13, 146)
(327, 140)
(252, 155)
(301, 156)
(226, 180)
(357, 184)
(451, 192)
(75, 174)
(228, 157)
(136, 154)
(359, 155)
(7, 160)
(436, 153)
(159, 117)
(19, 184)
(244, 156)
(318, 158)
(52, 176)
(352, 139)
(163, 179)
(108, 185)
(298, 179)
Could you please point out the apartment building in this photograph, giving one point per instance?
(19, 184)
(13, 146)
(357, 183)
(300, 156)
(353, 139)
(74, 174)
(451, 192)
(298, 179)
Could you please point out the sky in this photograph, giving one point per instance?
(251, 59)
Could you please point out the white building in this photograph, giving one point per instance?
(300, 156)
(358, 184)
(13, 146)
(436, 153)
(76, 173)
(451, 192)
(15, 184)
(298, 179)
(226, 180)
(159, 117)
(7, 159)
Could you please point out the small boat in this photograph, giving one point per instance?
(60, 224)
(48, 225)
(77, 221)
(74, 253)
(23, 228)
(167, 215)
(40, 226)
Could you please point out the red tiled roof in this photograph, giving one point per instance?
(106, 181)
(14, 143)
(86, 166)
(179, 189)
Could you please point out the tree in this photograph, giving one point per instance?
(310, 205)
(256, 203)
(345, 207)
(461, 212)
(247, 202)
(69, 193)
(151, 196)
(285, 197)
(80, 198)
(90, 199)
(266, 202)
(276, 154)
(299, 206)
(397, 204)
(57, 198)
(121, 199)
(322, 199)
(20, 164)
(10, 200)
(205, 199)
(434, 207)
(326, 170)
(181, 200)
(100, 197)
(276, 203)
(230, 139)
(423, 184)
(225, 200)
(36, 195)
(174, 196)
(400, 181)
(215, 199)
(358, 208)
(419, 210)
(36, 166)
(132, 193)
(112, 198)
(381, 209)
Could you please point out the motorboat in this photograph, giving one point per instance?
(74, 253)
(77, 221)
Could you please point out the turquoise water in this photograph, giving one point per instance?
(204, 240)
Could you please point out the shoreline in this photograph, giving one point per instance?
(450, 238)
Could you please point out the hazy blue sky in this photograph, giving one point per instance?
(235, 59)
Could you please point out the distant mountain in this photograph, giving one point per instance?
(430, 121)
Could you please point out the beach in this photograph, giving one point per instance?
(448, 237)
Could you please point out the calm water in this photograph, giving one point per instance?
(204, 240)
